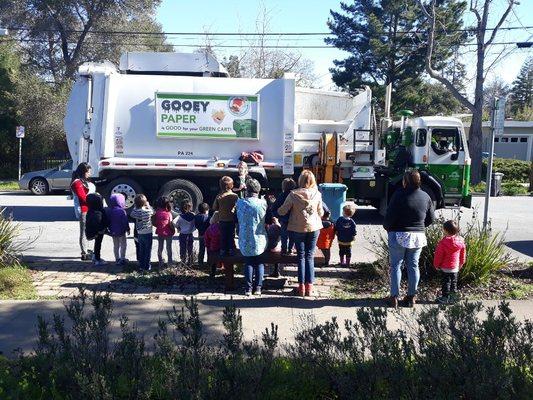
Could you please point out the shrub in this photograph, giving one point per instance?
(438, 353)
(486, 252)
(10, 245)
(513, 188)
(479, 188)
(513, 170)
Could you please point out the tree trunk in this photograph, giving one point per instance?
(475, 143)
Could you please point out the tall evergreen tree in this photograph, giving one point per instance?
(386, 45)
(522, 91)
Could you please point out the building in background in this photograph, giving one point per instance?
(516, 141)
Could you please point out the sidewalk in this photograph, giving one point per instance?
(18, 319)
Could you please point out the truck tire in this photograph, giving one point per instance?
(127, 186)
(179, 190)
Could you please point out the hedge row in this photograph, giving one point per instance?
(441, 354)
(513, 170)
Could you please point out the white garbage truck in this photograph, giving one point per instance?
(172, 124)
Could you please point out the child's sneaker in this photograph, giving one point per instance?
(442, 300)
(247, 292)
(99, 263)
(257, 291)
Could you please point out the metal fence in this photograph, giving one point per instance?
(9, 169)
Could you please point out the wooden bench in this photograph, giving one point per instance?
(267, 258)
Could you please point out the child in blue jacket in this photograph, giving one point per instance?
(346, 231)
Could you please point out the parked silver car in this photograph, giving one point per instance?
(47, 180)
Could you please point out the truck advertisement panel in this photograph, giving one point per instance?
(185, 115)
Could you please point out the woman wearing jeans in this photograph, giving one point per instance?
(305, 222)
(252, 235)
(410, 211)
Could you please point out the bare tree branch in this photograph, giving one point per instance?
(429, 55)
(473, 9)
(500, 22)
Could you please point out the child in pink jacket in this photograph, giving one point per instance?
(450, 256)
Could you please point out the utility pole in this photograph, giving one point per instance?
(496, 126)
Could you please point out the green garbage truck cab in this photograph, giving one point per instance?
(439, 150)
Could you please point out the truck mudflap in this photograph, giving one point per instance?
(467, 201)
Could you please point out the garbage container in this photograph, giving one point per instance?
(334, 195)
(496, 184)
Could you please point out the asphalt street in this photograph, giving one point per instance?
(49, 222)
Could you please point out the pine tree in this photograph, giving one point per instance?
(522, 91)
(381, 52)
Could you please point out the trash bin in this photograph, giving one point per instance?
(334, 195)
(496, 184)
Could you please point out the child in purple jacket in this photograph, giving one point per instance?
(118, 226)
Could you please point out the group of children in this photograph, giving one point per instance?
(216, 232)
(114, 221)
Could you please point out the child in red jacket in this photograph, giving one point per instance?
(450, 256)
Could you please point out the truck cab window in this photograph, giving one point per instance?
(421, 135)
(445, 140)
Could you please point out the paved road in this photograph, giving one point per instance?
(50, 221)
(18, 319)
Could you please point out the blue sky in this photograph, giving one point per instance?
(305, 16)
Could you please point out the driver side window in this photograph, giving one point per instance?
(445, 140)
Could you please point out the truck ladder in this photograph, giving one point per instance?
(355, 152)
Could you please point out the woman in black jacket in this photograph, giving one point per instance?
(97, 224)
(410, 211)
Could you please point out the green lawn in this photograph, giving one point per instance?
(16, 284)
(9, 185)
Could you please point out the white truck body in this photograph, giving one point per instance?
(111, 118)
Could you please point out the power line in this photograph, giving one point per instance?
(200, 45)
(240, 33)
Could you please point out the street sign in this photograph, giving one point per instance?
(499, 115)
(20, 132)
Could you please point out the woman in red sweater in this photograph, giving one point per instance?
(80, 189)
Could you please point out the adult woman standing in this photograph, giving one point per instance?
(81, 187)
(305, 222)
(252, 235)
(410, 211)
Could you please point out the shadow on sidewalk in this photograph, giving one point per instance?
(522, 246)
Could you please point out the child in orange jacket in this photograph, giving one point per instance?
(326, 236)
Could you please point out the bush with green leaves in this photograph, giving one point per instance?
(486, 252)
(513, 188)
(513, 170)
(10, 245)
(437, 353)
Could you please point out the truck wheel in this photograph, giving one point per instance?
(179, 190)
(128, 187)
(431, 194)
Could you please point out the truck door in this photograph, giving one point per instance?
(446, 158)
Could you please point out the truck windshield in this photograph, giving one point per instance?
(445, 140)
